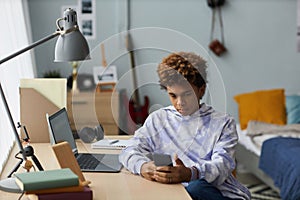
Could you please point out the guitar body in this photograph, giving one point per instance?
(134, 115)
(139, 113)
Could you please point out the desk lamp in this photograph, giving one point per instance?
(70, 46)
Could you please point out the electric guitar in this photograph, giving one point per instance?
(138, 112)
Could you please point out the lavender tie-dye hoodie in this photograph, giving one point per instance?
(206, 139)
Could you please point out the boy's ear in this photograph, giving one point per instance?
(202, 90)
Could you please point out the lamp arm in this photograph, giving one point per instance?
(12, 122)
(41, 41)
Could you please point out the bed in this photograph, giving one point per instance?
(247, 157)
(271, 152)
(280, 160)
(269, 122)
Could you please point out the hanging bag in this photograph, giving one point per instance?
(216, 46)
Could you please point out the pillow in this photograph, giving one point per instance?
(262, 105)
(292, 103)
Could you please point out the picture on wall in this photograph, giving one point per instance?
(105, 74)
(87, 18)
(87, 27)
(86, 7)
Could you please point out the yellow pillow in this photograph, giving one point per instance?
(263, 105)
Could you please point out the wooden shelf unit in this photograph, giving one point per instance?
(90, 109)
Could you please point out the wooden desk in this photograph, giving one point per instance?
(105, 186)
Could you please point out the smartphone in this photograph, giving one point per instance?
(162, 159)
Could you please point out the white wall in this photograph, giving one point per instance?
(260, 36)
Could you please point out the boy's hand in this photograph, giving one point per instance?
(147, 170)
(177, 174)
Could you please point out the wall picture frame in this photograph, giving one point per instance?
(104, 74)
(87, 16)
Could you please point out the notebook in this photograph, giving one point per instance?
(60, 130)
(111, 144)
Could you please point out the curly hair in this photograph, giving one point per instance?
(181, 67)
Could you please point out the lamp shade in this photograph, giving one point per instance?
(71, 45)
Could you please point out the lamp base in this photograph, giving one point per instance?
(9, 185)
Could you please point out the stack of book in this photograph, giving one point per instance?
(56, 184)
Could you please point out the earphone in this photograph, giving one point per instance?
(88, 134)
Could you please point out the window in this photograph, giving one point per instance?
(13, 37)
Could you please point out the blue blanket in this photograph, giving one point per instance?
(281, 161)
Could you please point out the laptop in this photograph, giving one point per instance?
(60, 130)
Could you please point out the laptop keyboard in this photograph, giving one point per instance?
(87, 161)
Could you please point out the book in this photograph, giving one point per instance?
(111, 144)
(38, 180)
(78, 188)
(86, 194)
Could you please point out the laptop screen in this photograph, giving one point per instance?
(61, 130)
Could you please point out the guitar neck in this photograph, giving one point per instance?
(134, 77)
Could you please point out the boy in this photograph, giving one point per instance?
(201, 139)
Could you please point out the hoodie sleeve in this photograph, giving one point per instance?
(222, 161)
(133, 157)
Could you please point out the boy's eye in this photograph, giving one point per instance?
(187, 94)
